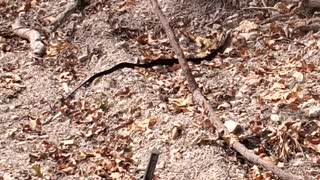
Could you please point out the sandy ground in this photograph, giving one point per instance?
(109, 129)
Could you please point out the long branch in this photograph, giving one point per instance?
(202, 101)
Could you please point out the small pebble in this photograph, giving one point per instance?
(313, 112)
(14, 117)
(310, 102)
(275, 110)
(275, 117)
(298, 76)
(232, 126)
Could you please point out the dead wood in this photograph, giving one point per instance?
(308, 28)
(305, 3)
(312, 3)
(33, 36)
(203, 102)
(262, 8)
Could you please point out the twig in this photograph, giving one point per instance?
(264, 3)
(202, 101)
(281, 16)
(261, 8)
(307, 28)
(32, 35)
(275, 18)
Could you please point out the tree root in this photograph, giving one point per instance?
(34, 37)
(203, 102)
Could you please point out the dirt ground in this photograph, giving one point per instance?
(108, 129)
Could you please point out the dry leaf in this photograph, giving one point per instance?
(68, 142)
(115, 175)
(144, 125)
(65, 87)
(277, 86)
(247, 26)
(253, 80)
(181, 104)
(313, 143)
(282, 7)
(37, 170)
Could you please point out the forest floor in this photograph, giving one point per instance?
(267, 81)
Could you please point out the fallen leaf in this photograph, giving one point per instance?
(313, 111)
(144, 125)
(253, 80)
(181, 104)
(313, 143)
(68, 142)
(277, 85)
(116, 175)
(37, 170)
(247, 26)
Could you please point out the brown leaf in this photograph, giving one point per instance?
(144, 125)
(183, 104)
(37, 170)
(253, 80)
(313, 143)
(67, 169)
(247, 26)
(277, 86)
(256, 126)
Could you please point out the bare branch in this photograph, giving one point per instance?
(32, 35)
(202, 101)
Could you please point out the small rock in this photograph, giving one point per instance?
(162, 164)
(313, 112)
(235, 103)
(14, 117)
(275, 117)
(12, 107)
(316, 160)
(264, 116)
(253, 81)
(297, 162)
(275, 110)
(232, 126)
(298, 76)
(310, 102)
(7, 176)
(176, 132)
(249, 36)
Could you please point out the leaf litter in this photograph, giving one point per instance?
(264, 84)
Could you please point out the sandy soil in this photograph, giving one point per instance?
(109, 129)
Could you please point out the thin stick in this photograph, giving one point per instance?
(261, 8)
(202, 101)
(275, 18)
